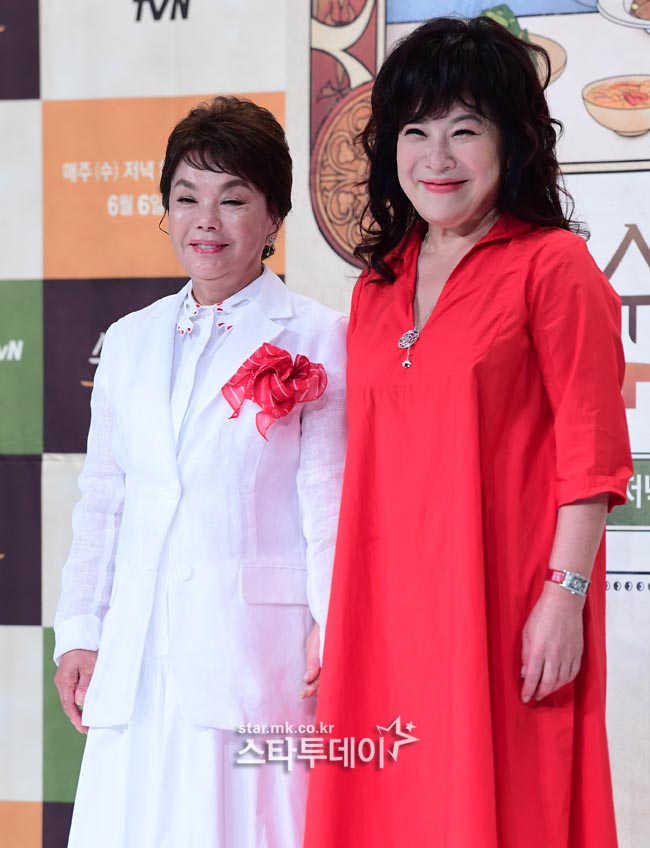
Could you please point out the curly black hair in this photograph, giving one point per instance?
(478, 63)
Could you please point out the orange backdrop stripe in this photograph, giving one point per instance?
(21, 824)
(97, 137)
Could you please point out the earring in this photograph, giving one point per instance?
(269, 249)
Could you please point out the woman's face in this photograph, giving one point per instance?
(450, 168)
(218, 225)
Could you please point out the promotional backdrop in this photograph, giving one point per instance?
(89, 91)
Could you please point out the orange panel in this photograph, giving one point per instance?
(101, 167)
(21, 824)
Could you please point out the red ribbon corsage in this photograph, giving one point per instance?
(276, 383)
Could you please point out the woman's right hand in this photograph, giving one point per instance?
(72, 679)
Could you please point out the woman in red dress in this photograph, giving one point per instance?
(487, 440)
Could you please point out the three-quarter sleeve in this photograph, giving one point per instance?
(88, 571)
(575, 318)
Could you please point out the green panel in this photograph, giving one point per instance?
(21, 366)
(62, 744)
(635, 513)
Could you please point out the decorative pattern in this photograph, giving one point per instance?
(345, 39)
(339, 171)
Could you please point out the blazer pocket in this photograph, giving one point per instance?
(273, 584)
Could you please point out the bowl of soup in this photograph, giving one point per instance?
(621, 104)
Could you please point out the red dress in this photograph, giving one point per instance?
(455, 470)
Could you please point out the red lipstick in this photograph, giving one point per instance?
(207, 247)
(443, 186)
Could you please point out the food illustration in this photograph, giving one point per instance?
(506, 17)
(641, 9)
(632, 13)
(621, 104)
(556, 53)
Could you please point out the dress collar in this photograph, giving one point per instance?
(267, 290)
(504, 228)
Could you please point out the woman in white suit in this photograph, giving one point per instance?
(195, 594)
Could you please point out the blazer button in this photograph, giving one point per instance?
(183, 571)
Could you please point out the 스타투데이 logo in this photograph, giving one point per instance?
(348, 751)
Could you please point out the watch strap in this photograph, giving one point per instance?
(575, 583)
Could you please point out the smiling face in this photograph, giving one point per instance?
(218, 225)
(450, 169)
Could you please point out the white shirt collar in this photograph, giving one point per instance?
(190, 308)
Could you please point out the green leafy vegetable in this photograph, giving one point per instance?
(504, 15)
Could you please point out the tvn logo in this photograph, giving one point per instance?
(94, 356)
(12, 351)
(94, 359)
(159, 7)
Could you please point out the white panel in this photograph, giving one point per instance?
(21, 190)
(59, 494)
(21, 714)
(628, 704)
(609, 202)
(93, 48)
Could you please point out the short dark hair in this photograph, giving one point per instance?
(236, 136)
(479, 63)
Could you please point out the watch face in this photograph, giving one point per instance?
(576, 583)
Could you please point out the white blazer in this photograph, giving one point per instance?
(247, 525)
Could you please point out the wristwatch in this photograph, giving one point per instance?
(569, 580)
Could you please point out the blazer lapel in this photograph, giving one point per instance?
(252, 329)
(253, 326)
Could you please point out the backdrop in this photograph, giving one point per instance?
(89, 91)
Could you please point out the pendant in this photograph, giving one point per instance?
(408, 339)
(407, 359)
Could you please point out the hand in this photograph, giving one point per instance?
(312, 664)
(72, 679)
(553, 641)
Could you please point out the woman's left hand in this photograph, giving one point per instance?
(552, 643)
(312, 663)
